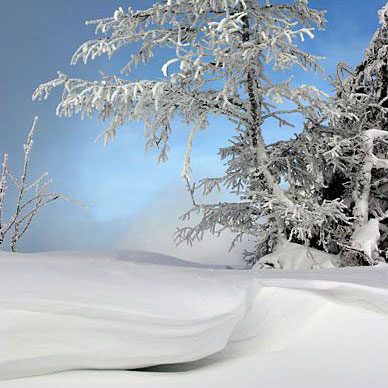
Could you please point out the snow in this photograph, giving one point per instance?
(81, 312)
(145, 257)
(293, 256)
(258, 329)
(367, 237)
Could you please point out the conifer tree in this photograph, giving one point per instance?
(223, 56)
(350, 155)
(362, 149)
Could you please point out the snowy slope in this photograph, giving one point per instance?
(145, 257)
(262, 329)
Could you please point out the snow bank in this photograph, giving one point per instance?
(259, 329)
(85, 313)
(296, 256)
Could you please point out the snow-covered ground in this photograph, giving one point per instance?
(212, 327)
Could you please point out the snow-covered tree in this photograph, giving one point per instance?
(30, 198)
(312, 171)
(350, 156)
(223, 54)
(359, 148)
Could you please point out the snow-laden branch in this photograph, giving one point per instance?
(362, 149)
(206, 41)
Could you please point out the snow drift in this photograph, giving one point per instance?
(295, 256)
(77, 312)
(250, 329)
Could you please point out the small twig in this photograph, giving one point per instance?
(23, 178)
(3, 189)
(191, 190)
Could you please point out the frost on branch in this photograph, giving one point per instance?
(355, 154)
(222, 56)
(365, 92)
(30, 197)
(207, 44)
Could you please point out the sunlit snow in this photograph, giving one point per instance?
(83, 315)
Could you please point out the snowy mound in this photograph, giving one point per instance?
(295, 256)
(245, 329)
(86, 313)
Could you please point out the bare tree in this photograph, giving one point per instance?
(30, 197)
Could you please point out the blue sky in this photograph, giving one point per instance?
(134, 203)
